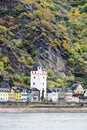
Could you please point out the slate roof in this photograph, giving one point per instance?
(49, 90)
(75, 86)
(57, 89)
(20, 89)
(5, 85)
(34, 89)
(69, 90)
(38, 64)
(4, 89)
(85, 87)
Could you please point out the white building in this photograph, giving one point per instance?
(24, 96)
(85, 93)
(4, 94)
(39, 80)
(53, 97)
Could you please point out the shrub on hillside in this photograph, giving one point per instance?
(50, 73)
(1, 66)
(3, 29)
(5, 60)
(38, 14)
(30, 61)
(47, 25)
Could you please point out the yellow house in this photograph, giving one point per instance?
(12, 95)
(18, 95)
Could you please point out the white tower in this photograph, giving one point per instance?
(39, 80)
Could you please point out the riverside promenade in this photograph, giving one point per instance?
(43, 110)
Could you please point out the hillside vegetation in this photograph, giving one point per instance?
(52, 32)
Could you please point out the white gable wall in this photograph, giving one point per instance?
(3, 96)
(52, 97)
(79, 90)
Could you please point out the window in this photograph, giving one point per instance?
(43, 83)
(33, 83)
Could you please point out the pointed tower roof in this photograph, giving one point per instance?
(38, 64)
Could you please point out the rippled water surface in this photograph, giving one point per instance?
(44, 121)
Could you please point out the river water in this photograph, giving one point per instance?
(43, 121)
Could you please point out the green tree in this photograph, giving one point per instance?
(30, 61)
(50, 73)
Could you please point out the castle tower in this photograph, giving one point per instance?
(39, 80)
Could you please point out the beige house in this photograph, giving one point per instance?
(12, 95)
(77, 89)
(68, 96)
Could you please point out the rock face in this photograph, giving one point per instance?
(47, 56)
(52, 59)
(45, 32)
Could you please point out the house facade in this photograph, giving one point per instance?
(12, 95)
(35, 95)
(51, 96)
(29, 96)
(4, 94)
(18, 95)
(68, 96)
(24, 95)
(85, 94)
(61, 95)
(39, 80)
(77, 89)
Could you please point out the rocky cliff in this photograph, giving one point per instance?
(50, 32)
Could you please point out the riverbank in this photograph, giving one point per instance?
(43, 110)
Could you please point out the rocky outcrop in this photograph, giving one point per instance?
(51, 59)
